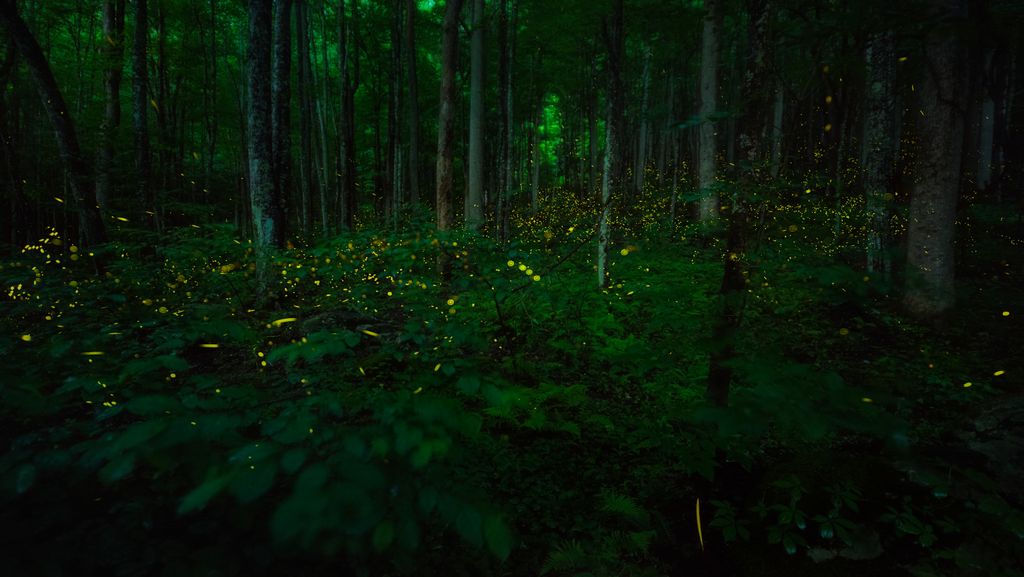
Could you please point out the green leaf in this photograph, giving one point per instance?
(468, 526)
(202, 494)
(251, 483)
(293, 459)
(138, 434)
(383, 535)
(497, 536)
(117, 469)
(26, 477)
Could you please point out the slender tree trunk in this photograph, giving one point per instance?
(281, 100)
(113, 70)
(640, 168)
(753, 134)
(474, 209)
(267, 213)
(504, 120)
(930, 255)
(708, 106)
(616, 48)
(395, 113)
(879, 148)
(779, 112)
(414, 106)
(305, 116)
(445, 128)
(82, 187)
(140, 107)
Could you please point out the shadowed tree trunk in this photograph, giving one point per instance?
(445, 128)
(414, 107)
(281, 99)
(475, 191)
(305, 76)
(930, 256)
(112, 52)
(879, 148)
(616, 47)
(140, 107)
(82, 187)
(752, 136)
(267, 214)
(708, 102)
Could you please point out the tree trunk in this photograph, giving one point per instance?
(445, 128)
(113, 70)
(140, 107)
(92, 230)
(930, 258)
(267, 214)
(708, 103)
(414, 106)
(616, 47)
(474, 192)
(348, 48)
(281, 100)
(879, 148)
(305, 116)
(753, 133)
(640, 167)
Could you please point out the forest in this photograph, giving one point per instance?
(582, 288)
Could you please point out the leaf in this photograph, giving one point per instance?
(468, 525)
(202, 494)
(383, 535)
(468, 384)
(293, 459)
(138, 434)
(497, 536)
(25, 479)
(251, 483)
(117, 469)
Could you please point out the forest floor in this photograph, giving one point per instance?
(515, 421)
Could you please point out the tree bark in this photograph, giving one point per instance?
(445, 119)
(281, 100)
(140, 108)
(474, 209)
(305, 116)
(879, 149)
(616, 48)
(414, 107)
(930, 256)
(112, 52)
(82, 187)
(753, 134)
(708, 205)
(267, 214)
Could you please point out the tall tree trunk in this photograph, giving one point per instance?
(474, 209)
(930, 258)
(640, 168)
(445, 128)
(615, 36)
(347, 56)
(140, 107)
(267, 213)
(879, 149)
(305, 116)
(281, 101)
(82, 187)
(414, 106)
(504, 163)
(113, 70)
(708, 106)
(394, 163)
(753, 134)
(778, 114)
